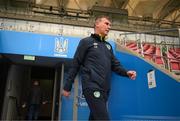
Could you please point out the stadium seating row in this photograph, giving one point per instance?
(169, 59)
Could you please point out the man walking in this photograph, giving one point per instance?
(94, 57)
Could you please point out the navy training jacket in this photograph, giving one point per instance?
(94, 57)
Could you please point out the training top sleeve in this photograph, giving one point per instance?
(77, 62)
(117, 67)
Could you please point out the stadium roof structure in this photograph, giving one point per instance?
(134, 15)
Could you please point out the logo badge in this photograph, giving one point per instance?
(95, 45)
(97, 94)
(108, 47)
(61, 45)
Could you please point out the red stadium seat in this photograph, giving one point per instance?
(149, 52)
(158, 58)
(173, 62)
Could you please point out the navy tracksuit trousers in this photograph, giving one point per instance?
(97, 102)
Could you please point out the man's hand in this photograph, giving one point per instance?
(44, 102)
(24, 105)
(132, 74)
(66, 93)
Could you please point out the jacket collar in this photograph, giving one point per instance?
(98, 37)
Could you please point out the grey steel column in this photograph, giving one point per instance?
(54, 94)
(75, 103)
(61, 88)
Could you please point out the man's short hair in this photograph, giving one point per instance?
(98, 19)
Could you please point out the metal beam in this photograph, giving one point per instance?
(170, 7)
(134, 24)
(125, 4)
(152, 31)
(176, 17)
(115, 3)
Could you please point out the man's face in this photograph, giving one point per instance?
(36, 83)
(103, 26)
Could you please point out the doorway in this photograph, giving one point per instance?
(18, 85)
(45, 77)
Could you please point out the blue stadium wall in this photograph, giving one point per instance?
(129, 99)
(134, 100)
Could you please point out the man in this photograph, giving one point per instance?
(94, 57)
(34, 101)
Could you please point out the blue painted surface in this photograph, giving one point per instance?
(134, 100)
(67, 104)
(67, 107)
(26, 43)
